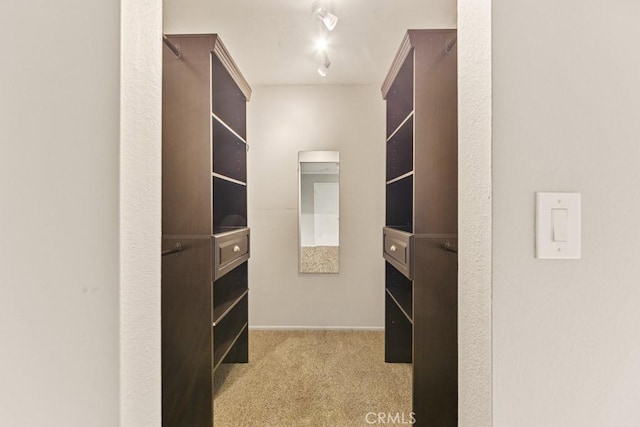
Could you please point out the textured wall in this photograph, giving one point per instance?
(59, 117)
(566, 110)
(474, 217)
(140, 192)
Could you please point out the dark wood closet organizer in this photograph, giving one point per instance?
(205, 238)
(420, 237)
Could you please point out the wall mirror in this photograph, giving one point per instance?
(319, 212)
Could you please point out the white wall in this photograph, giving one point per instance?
(59, 124)
(566, 118)
(140, 210)
(474, 214)
(283, 120)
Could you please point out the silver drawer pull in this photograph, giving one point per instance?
(393, 248)
(236, 248)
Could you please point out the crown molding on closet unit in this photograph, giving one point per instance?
(408, 42)
(401, 55)
(227, 61)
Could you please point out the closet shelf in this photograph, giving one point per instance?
(219, 120)
(221, 312)
(229, 205)
(223, 349)
(403, 228)
(400, 306)
(400, 287)
(409, 116)
(226, 178)
(399, 204)
(222, 231)
(399, 178)
(229, 153)
(400, 151)
(229, 231)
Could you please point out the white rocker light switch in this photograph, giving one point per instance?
(558, 225)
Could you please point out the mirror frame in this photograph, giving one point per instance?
(315, 157)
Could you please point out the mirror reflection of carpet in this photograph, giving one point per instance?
(320, 259)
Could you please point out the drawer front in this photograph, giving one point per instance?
(230, 250)
(397, 250)
(233, 249)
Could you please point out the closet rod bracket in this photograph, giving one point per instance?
(448, 247)
(174, 48)
(175, 250)
(449, 45)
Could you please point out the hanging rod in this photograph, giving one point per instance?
(174, 48)
(178, 248)
(449, 248)
(449, 44)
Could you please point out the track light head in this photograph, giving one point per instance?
(323, 70)
(329, 19)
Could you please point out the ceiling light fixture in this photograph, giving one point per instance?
(330, 20)
(323, 70)
(322, 43)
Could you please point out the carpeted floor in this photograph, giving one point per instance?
(311, 378)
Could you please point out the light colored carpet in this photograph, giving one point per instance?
(311, 378)
(320, 259)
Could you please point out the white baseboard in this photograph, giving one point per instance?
(316, 328)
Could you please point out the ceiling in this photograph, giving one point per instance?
(273, 41)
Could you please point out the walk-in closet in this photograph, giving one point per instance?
(309, 213)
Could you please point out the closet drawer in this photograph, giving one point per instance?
(397, 250)
(229, 251)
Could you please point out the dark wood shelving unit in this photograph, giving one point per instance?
(205, 289)
(421, 218)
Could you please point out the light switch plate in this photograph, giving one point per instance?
(558, 233)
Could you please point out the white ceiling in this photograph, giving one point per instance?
(272, 41)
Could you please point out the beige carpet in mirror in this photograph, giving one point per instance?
(320, 259)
